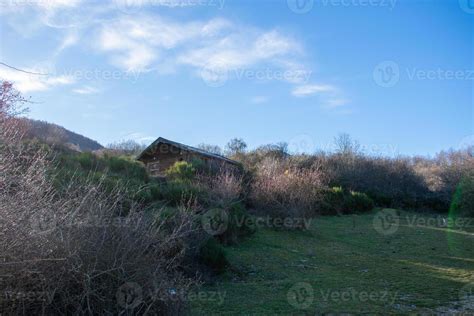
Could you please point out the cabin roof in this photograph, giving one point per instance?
(201, 152)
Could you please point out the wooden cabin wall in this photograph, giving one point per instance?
(166, 156)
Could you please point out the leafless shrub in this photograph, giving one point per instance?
(84, 251)
(286, 190)
(125, 147)
(224, 187)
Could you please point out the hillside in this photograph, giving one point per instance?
(58, 135)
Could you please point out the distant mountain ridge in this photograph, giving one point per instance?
(54, 134)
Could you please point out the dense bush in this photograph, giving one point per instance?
(213, 255)
(83, 249)
(240, 224)
(280, 189)
(181, 171)
(413, 183)
(340, 201)
(463, 200)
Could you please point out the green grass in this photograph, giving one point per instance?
(420, 269)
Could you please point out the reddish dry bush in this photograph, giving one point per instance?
(83, 247)
(287, 191)
(84, 251)
(224, 188)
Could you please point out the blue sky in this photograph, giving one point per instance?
(396, 75)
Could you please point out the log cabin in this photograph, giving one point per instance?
(164, 153)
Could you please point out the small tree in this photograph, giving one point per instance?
(236, 146)
(346, 145)
(214, 149)
(11, 105)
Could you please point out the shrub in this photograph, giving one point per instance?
(359, 202)
(177, 192)
(87, 160)
(285, 190)
(224, 188)
(126, 167)
(78, 247)
(239, 225)
(181, 171)
(340, 201)
(334, 201)
(213, 255)
(82, 246)
(463, 200)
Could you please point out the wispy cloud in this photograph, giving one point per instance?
(144, 43)
(139, 137)
(330, 97)
(25, 82)
(312, 89)
(86, 90)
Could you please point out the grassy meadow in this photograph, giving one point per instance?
(350, 267)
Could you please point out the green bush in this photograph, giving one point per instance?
(181, 171)
(333, 201)
(87, 160)
(463, 200)
(213, 255)
(177, 192)
(240, 224)
(357, 202)
(339, 201)
(126, 167)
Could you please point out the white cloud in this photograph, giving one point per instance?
(56, 4)
(86, 90)
(18, 5)
(139, 137)
(143, 43)
(69, 40)
(134, 5)
(330, 97)
(135, 43)
(312, 89)
(26, 82)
